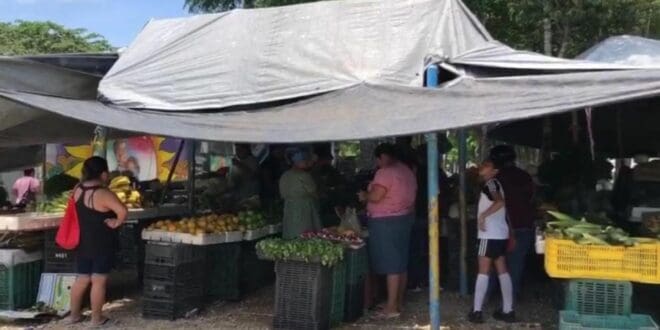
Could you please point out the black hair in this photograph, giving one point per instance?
(502, 155)
(28, 172)
(387, 149)
(93, 168)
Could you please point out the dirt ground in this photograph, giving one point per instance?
(256, 312)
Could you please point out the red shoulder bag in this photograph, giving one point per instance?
(68, 235)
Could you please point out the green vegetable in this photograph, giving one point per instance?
(587, 233)
(307, 250)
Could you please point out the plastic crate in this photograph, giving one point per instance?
(171, 254)
(173, 291)
(570, 320)
(354, 302)
(302, 293)
(566, 259)
(287, 324)
(19, 284)
(255, 272)
(162, 309)
(68, 267)
(222, 272)
(338, 295)
(357, 264)
(181, 273)
(53, 253)
(596, 297)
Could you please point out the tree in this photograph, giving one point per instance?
(29, 38)
(565, 28)
(214, 6)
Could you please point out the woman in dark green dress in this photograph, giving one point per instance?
(301, 204)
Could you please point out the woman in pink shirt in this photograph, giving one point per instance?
(390, 203)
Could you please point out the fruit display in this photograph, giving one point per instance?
(306, 250)
(200, 225)
(586, 233)
(124, 190)
(251, 220)
(338, 235)
(56, 204)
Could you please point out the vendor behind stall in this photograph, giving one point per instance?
(301, 205)
(330, 184)
(244, 175)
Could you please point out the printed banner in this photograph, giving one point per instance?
(146, 157)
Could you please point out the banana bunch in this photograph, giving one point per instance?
(55, 205)
(122, 187)
(586, 233)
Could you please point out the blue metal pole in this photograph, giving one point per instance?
(432, 73)
(462, 161)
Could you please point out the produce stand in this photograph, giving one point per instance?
(600, 262)
(567, 259)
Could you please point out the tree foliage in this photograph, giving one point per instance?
(213, 6)
(575, 25)
(28, 38)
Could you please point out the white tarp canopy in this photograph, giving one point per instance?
(367, 110)
(247, 57)
(333, 70)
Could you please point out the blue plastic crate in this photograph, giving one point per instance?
(599, 297)
(570, 320)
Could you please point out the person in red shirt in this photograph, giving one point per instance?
(521, 211)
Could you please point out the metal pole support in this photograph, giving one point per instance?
(432, 73)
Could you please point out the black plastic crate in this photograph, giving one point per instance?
(223, 273)
(255, 273)
(287, 324)
(173, 291)
(354, 302)
(182, 273)
(302, 292)
(60, 267)
(172, 254)
(53, 253)
(357, 265)
(162, 309)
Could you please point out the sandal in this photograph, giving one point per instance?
(382, 316)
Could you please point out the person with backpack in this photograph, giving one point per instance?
(26, 188)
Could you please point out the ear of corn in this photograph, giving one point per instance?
(586, 233)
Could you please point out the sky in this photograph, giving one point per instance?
(119, 21)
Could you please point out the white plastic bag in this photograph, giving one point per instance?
(349, 220)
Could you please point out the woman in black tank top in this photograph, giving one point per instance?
(100, 213)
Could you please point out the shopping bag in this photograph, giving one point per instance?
(349, 220)
(68, 235)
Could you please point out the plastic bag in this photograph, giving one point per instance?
(349, 220)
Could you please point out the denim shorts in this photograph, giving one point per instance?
(100, 265)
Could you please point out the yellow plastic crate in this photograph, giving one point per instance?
(566, 259)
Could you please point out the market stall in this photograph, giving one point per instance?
(348, 76)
